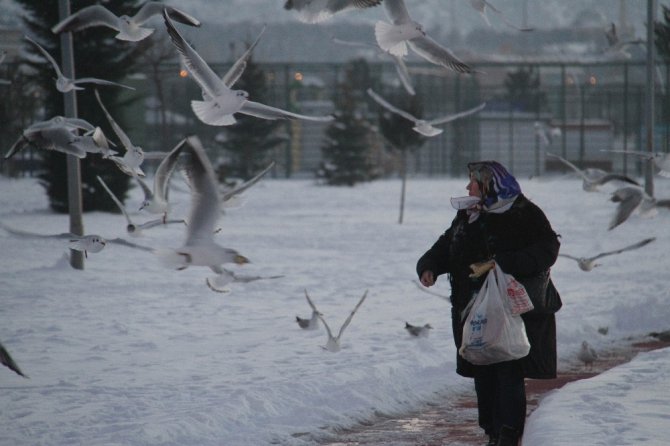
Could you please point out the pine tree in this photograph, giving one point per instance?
(400, 135)
(250, 139)
(523, 90)
(346, 147)
(96, 54)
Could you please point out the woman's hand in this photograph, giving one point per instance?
(427, 278)
(481, 268)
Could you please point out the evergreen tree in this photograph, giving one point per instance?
(400, 135)
(250, 139)
(523, 90)
(96, 54)
(346, 147)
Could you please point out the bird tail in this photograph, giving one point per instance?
(389, 39)
(210, 113)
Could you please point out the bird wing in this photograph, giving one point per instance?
(28, 234)
(165, 170)
(311, 304)
(381, 101)
(348, 320)
(455, 116)
(150, 9)
(246, 185)
(94, 15)
(205, 200)
(663, 203)
(325, 324)
(435, 53)
(6, 360)
(504, 18)
(19, 145)
(568, 256)
(125, 141)
(397, 11)
(313, 12)
(648, 155)
(569, 164)
(628, 202)
(126, 243)
(48, 57)
(267, 112)
(616, 176)
(626, 248)
(94, 80)
(403, 73)
(120, 205)
(202, 73)
(234, 73)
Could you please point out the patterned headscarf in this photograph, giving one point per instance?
(499, 187)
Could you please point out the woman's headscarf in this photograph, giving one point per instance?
(498, 186)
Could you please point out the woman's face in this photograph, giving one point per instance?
(473, 187)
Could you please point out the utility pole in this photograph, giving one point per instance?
(73, 167)
(649, 97)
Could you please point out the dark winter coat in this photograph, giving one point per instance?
(523, 244)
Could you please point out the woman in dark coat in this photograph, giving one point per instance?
(496, 222)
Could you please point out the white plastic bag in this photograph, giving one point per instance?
(492, 332)
(517, 297)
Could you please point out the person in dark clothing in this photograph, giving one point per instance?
(497, 226)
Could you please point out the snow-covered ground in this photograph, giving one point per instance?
(128, 352)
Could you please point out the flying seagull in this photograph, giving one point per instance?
(482, 5)
(6, 360)
(231, 193)
(588, 263)
(314, 11)
(92, 243)
(134, 156)
(398, 62)
(587, 355)
(313, 322)
(616, 46)
(333, 343)
(418, 330)
(65, 84)
(129, 28)
(660, 159)
(403, 32)
(60, 134)
(133, 229)
(593, 178)
(220, 102)
(633, 199)
(226, 276)
(156, 198)
(422, 126)
(199, 248)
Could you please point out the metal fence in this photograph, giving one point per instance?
(597, 107)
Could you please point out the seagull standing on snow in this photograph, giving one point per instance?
(404, 32)
(314, 11)
(6, 360)
(129, 28)
(587, 355)
(422, 126)
(593, 178)
(134, 156)
(199, 248)
(65, 84)
(633, 199)
(482, 5)
(588, 263)
(133, 229)
(313, 322)
(220, 102)
(418, 330)
(333, 343)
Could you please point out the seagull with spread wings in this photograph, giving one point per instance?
(481, 6)
(313, 322)
(314, 11)
(404, 31)
(333, 343)
(588, 263)
(220, 102)
(634, 199)
(593, 178)
(660, 159)
(129, 28)
(65, 84)
(423, 126)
